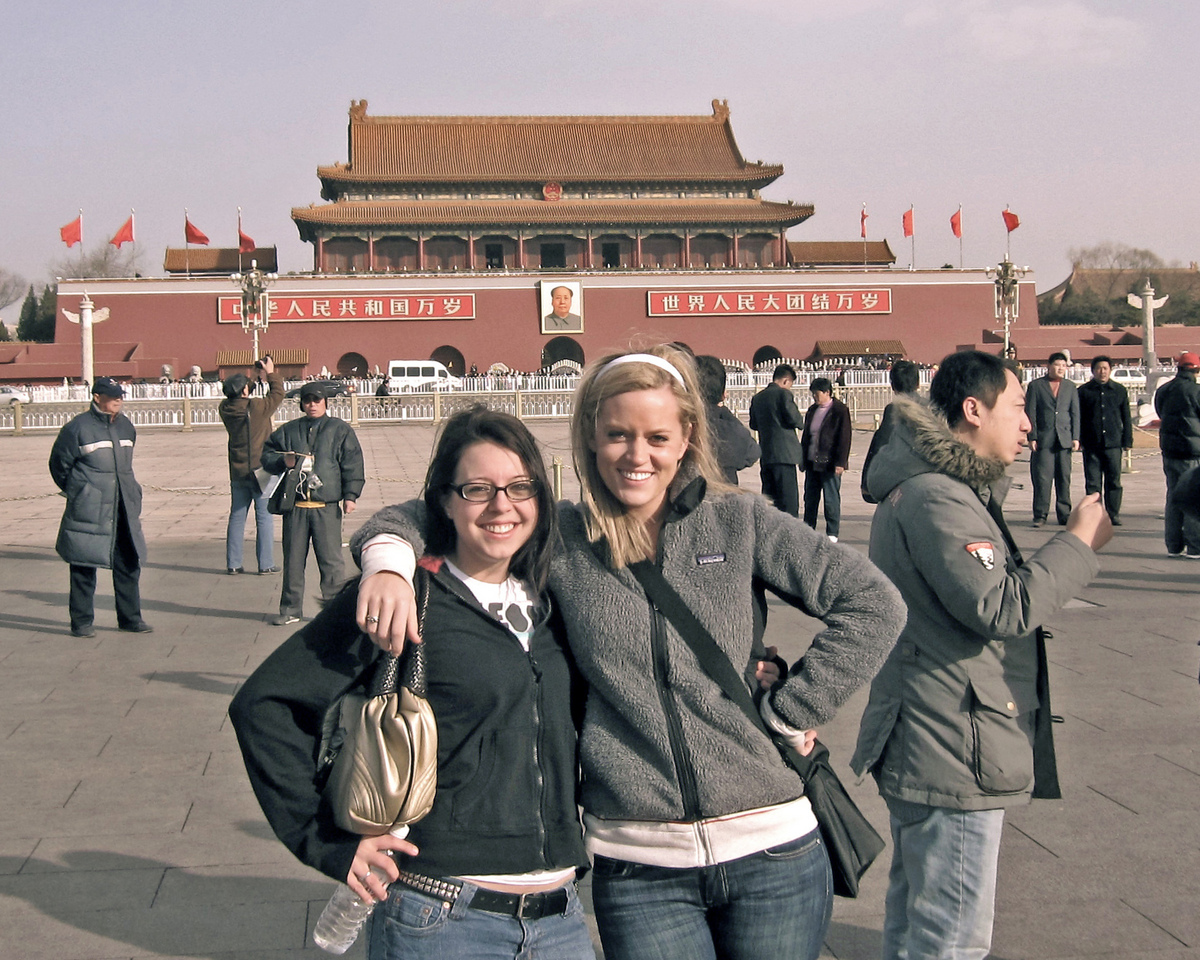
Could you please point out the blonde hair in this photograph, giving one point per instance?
(605, 516)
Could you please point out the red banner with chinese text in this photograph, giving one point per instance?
(718, 303)
(288, 308)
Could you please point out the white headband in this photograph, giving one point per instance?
(644, 358)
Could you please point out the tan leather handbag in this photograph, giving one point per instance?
(385, 773)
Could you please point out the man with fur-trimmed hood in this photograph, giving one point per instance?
(958, 723)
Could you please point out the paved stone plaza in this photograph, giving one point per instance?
(128, 828)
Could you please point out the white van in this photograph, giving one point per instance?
(407, 376)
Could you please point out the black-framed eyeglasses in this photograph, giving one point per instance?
(477, 491)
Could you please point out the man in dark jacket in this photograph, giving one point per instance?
(826, 446)
(92, 464)
(905, 377)
(247, 420)
(1105, 430)
(1052, 403)
(1177, 403)
(735, 447)
(330, 480)
(774, 414)
(958, 725)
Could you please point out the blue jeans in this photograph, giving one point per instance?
(827, 484)
(773, 905)
(941, 895)
(243, 493)
(414, 926)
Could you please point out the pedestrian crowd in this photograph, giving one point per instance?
(568, 647)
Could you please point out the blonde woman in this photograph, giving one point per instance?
(702, 840)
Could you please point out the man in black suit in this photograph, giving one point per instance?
(774, 414)
(1106, 429)
(1052, 405)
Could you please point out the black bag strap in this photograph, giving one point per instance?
(712, 658)
(714, 661)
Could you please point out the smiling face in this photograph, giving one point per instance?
(560, 300)
(1057, 370)
(638, 444)
(999, 432)
(488, 535)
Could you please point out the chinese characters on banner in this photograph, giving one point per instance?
(283, 307)
(717, 303)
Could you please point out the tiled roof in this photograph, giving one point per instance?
(543, 149)
(283, 356)
(478, 214)
(1115, 284)
(218, 259)
(824, 253)
(857, 348)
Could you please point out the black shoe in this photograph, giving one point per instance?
(268, 571)
(140, 627)
(1037, 523)
(232, 570)
(1116, 521)
(83, 631)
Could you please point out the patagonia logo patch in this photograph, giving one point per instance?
(984, 552)
(706, 558)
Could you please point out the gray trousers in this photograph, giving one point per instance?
(1048, 466)
(323, 526)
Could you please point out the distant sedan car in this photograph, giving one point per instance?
(332, 388)
(12, 395)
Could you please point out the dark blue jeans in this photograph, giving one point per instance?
(771, 905)
(827, 484)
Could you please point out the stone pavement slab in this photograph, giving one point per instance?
(128, 829)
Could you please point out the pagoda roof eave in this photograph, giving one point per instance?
(752, 175)
(586, 214)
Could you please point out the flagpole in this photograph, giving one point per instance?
(960, 253)
(1007, 239)
(912, 237)
(81, 244)
(240, 243)
(187, 266)
(133, 230)
(863, 224)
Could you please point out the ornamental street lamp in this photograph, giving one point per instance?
(1007, 278)
(256, 312)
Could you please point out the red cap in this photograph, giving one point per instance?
(1188, 361)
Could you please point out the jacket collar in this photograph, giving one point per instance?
(931, 439)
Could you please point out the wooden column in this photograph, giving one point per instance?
(319, 255)
(736, 264)
(781, 260)
(591, 259)
(370, 254)
(470, 251)
(420, 252)
(520, 250)
(637, 252)
(687, 249)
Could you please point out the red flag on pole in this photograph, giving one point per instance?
(245, 243)
(125, 234)
(907, 222)
(956, 223)
(862, 221)
(193, 235)
(1011, 220)
(72, 233)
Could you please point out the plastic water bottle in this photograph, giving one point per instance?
(344, 915)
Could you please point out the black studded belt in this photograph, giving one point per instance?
(522, 906)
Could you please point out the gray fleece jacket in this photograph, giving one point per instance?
(660, 741)
(951, 718)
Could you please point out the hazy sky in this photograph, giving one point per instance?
(1081, 114)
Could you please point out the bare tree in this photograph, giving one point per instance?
(12, 287)
(1116, 266)
(103, 260)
